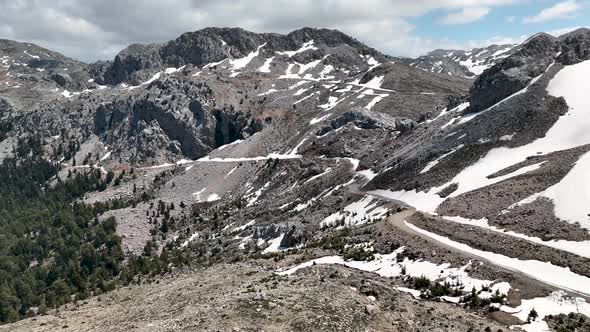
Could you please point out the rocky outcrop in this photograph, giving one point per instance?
(149, 126)
(513, 73)
(293, 237)
(268, 232)
(357, 118)
(231, 125)
(575, 47)
(129, 61)
(76, 81)
(210, 45)
(405, 125)
(165, 118)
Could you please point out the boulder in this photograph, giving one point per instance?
(405, 125)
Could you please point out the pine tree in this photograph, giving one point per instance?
(532, 315)
(42, 309)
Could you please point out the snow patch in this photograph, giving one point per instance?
(319, 119)
(243, 62)
(387, 265)
(106, 156)
(243, 227)
(306, 46)
(373, 102)
(328, 170)
(356, 213)
(190, 239)
(213, 198)
(274, 245)
(265, 68)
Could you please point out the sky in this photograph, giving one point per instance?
(92, 30)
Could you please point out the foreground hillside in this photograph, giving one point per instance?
(306, 181)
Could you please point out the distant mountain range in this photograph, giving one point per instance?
(462, 63)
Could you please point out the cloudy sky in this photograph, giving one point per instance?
(97, 29)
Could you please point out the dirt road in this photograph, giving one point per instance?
(398, 220)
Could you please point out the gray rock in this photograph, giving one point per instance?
(575, 47)
(371, 309)
(292, 238)
(513, 73)
(259, 296)
(405, 125)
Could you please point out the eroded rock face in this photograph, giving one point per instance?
(293, 237)
(231, 126)
(150, 125)
(167, 117)
(268, 232)
(513, 73)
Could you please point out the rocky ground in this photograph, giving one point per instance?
(249, 297)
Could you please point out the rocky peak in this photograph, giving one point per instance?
(574, 34)
(512, 74)
(538, 44)
(212, 45)
(461, 62)
(530, 60)
(575, 46)
(132, 59)
(330, 38)
(18, 56)
(24, 65)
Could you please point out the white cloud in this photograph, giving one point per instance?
(466, 15)
(510, 19)
(562, 10)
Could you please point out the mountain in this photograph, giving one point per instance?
(462, 63)
(231, 180)
(213, 45)
(29, 73)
